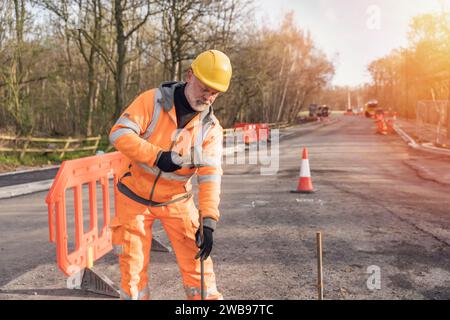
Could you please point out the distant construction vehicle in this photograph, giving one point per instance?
(371, 107)
(323, 111)
(316, 111)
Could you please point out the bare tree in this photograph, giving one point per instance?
(97, 54)
(121, 11)
(180, 22)
(64, 10)
(92, 28)
(14, 73)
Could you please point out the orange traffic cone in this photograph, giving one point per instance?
(394, 117)
(304, 181)
(382, 127)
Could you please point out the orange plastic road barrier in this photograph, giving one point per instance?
(382, 127)
(243, 126)
(381, 124)
(253, 132)
(390, 126)
(390, 123)
(240, 124)
(90, 245)
(385, 123)
(379, 117)
(262, 131)
(304, 180)
(250, 133)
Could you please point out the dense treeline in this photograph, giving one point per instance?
(421, 71)
(69, 67)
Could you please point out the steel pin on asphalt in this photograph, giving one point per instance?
(202, 271)
(319, 266)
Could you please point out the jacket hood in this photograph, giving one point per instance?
(167, 92)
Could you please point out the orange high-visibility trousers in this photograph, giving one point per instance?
(132, 235)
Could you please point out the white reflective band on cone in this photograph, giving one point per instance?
(304, 169)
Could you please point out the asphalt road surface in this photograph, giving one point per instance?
(28, 176)
(385, 227)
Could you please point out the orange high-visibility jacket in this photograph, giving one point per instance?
(147, 128)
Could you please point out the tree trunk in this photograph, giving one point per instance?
(283, 98)
(120, 62)
(93, 69)
(92, 99)
(23, 115)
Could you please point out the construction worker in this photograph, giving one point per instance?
(169, 134)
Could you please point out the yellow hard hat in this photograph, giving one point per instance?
(213, 68)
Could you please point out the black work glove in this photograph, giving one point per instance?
(165, 161)
(206, 245)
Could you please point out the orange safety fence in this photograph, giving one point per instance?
(253, 132)
(91, 244)
(385, 122)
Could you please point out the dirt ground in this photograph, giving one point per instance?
(375, 204)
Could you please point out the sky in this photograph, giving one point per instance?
(352, 32)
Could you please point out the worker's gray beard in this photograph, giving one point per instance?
(200, 105)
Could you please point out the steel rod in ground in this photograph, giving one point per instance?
(202, 279)
(202, 271)
(319, 266)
